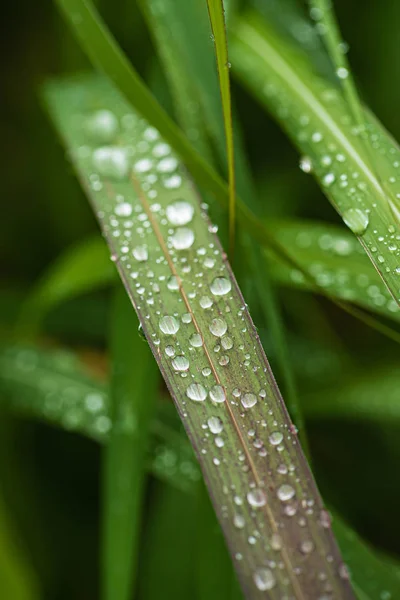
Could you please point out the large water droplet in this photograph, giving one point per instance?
(112, 162)
(124, 209)
(215, 424)
(169, 325)
(264, 579)
(180, 363)
(196, 340)
(357, 220)
(167, 165)
(102, 126)
(220, 286)
(256, 498)
(249, 400)
(275, 438)
(217, 393)
(285, 492)
(140, 253)
(196, 392)
(218, 327)
(180, 212)
(183, 238)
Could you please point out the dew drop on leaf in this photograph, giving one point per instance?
(140, 253)
(218, 327)
(180, 363)
(183, 238)
(256, 498)
(111, 162)
(220, 286)
(179, 213)
(217, 393)
(215, 424)
(264, 579)
(249, 400)
(169, 325)
(285, 492)
(196, 392)
(356, 219)
(102, 126)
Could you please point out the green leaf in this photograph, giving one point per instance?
(315, 115)
(82, 268)
(195, 320)
(217, 20)
(133, 392)
(335, 261)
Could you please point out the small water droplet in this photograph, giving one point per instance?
(285, 492)
(206, 302)
(180, 363)
(218, 327)
(124, 209)
(357, 220)
(264, 579)
(173, 284)
(217, 394)
(220, 286)
(256, 498)
(275, 438)
(196, 340)
(183, 238)
(215, 425)
(227, 342)
(170, 351)
(180, 213)
(140, 253)
(249, 400)
(169, 325)
(306, 164)
(102, 126)
(238, 521)
(196, 392)
(111, 162)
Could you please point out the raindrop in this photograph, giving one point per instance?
(183, 238)
(180, 363)
(215, 425)
(169, 325)
(143, 165)
(124, 209)
(256, 498)
(186, 318)
(180, 212)
(275, 438)
(140, 253)
(357, 220)
(205, 302)
(342, 73)
(306, 164)
(306, 547)
(328, 179)
(206, 371)
(170, 351)
(102, 126)
(264, 579)
(218, 327)
(220, 286)
(285, 492)
(238, 521)
(227, 342)
(167, 165)
(172, 283)
(196, 392)
(196, 340)
(217, 394)
(249, 400)
(111, 161)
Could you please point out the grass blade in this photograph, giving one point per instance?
(169, 259)
(217, 20)
(23, 371)
(133, 392)
(316, 117)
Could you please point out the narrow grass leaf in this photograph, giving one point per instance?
(24, 369)
(80, 269)
(133, 394)
(217, 20)
(335, 261)
(316, 116)
(197, 325)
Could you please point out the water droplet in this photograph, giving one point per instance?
(227, 342)
(328, 179)
(306, 547)
(196, 392)
(183, 238)
(256, 498)
(102, 126)
(140, 253)
(306, 164)
(357, 220)
(143, 165)
(264, 579)
(218, 327)
(238, 521)
(206, 302)
(206, 371)
(124, 209)
(180, 213)
(249, 400)
(172, 283)
(342, 73)
(196, 340)
(275, 438)
(285, 492)
(276, 541)
(220, 286)
(215, 425)
(180, 363)
(112, 162)
(186, 318)
(170, 351)
(169, 325)
(217, 394)
(167, 165)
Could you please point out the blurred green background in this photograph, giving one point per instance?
(49, 499)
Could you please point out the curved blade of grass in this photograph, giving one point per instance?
(80, 269)
(316, 117)
(133, 392)
(336, 262)
(189, 37)
(217, 20)
(34, 383)
(166, 271)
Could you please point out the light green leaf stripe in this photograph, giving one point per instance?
(203, 339)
